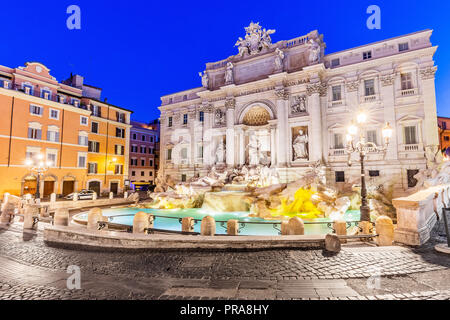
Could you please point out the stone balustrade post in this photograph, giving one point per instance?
(141, 222)
(30, 213)
(284, 228)
(296, 226)
(385, 230)
(94, 196)
(208, 226)
(111, 196)
(125, 195)
(187, 224)
(94, 216)
(233, 227)
(53, 197)
(340, 228)
(7, 213)
(61, 217)
(75, 196)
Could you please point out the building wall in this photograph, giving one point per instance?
(444, 132)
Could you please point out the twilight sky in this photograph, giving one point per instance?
(138, 51)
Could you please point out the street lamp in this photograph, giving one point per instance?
(363, 147)
(39, 166)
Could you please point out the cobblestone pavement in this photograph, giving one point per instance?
(31, 270)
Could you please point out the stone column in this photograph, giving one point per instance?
(431, 137)
(388, 98)
(241, 147)
(273, 151)
(230, 152)
(192, 122)
(207, 134)
(282, 126)
(315, 130)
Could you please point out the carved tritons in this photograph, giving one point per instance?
(282, 94)
(427, 73)
(230, 103)
(387, 80)
(318, 87)
(352, 86)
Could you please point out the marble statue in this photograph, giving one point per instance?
(220, 152)
(204, 77)
(300, 146)
(254, 151)
(279, 60)
(299, 104)
(255, 40)
(314, 51)
(229, 73)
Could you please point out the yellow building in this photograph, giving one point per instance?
(43, 116)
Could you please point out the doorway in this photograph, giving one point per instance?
(68, 187)
(114, 187)
(29, 185)
(94, 186)
(49, 187)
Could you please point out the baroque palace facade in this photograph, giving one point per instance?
(292, 104)
(85, 139)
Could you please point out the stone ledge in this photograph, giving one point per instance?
(81, 237)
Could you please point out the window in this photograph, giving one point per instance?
(52, 156)
(142, 162)
(36, 110)
(120, 133)
(54, 114)
(369, 87)
(134, 136)
(94, 127)
(151, 138)
(444, 125)
(61, 99)
(92, 167)
(185, 118)
(119, 149)
(75, 102)
(84, 120)
(338, 141)
(133, 173)
(94, 146)
(367, 55)
(340, 176)
(403, 46)
(120, 117)
(150, 173)
(169, 154)
(46, 94)
(336, 93)
(142, 173)
(118, 169)
(34, 133)
(372, 136)
(82, 139)
(374, 173)
(81, 160)
(335, 62)
(28, 89)
(183, 178)
(185, 97)
(410, 135)
(406, 81)
(134, 149)
(96, 111)
(201, 116)
(143, 138)
(143, 149)
(169, 124)
(53, 135)
(150, 163)
(184, 153)
(134, 162)
(446, 138)
(151, 151)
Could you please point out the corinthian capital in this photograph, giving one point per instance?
(230, 103)
(387, 80)
(352, 86)
(427, 73)
(318, 87)
(282, 93)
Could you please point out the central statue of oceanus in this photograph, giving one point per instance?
(255, 39)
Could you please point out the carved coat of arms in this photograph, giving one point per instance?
(255, 39)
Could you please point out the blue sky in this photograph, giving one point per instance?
(138, 51)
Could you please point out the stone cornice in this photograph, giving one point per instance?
(428, 73)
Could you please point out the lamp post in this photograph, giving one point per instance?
(363, 147)
(39, 166)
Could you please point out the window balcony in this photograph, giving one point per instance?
(337, 152)
(408, 92)
(371, 98)
(337, 103)
(411, 147)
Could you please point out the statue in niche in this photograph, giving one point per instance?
(219, 117)
(299, 104)
(229, 73)
(205, 80)
(220, 152)
(314, 51)
(254, 151)
(279, 60)
(300, 146)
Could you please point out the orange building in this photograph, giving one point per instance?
(43, 116)
(444, 133)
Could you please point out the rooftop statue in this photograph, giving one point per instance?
(255, 39)
(204, 77)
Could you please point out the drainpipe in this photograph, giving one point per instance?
(10, 132)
